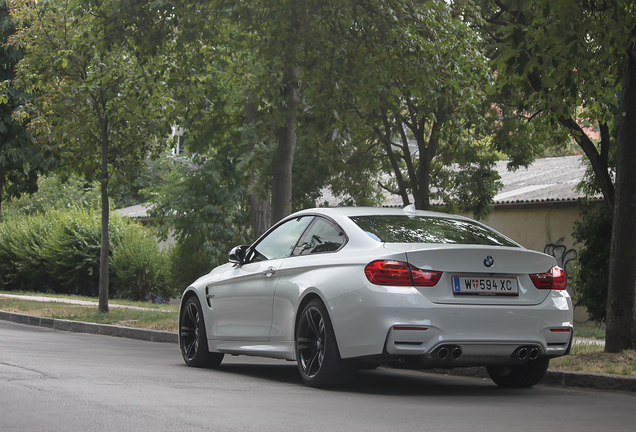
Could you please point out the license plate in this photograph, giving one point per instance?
(485, 286)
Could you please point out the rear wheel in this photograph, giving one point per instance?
(519, 376)
(317, 353)
(193, 338)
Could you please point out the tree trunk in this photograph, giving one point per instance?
(385, 139)
(260, 215)
(105, 241)
(284, 157)
(260, 209)
(427, 153)
(1, 193)
(621, 298)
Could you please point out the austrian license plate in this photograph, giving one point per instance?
(485, 286)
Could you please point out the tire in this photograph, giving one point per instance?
(193, 339)
(519, 376)
(319, 361)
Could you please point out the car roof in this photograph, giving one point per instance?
(375, 211)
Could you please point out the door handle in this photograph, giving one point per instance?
(269, 272)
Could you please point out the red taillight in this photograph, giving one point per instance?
(424, 277)
(555, 279)
(398, 273)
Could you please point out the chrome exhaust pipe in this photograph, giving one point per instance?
(523, 353)
(443, 353)
(534, 353)
(456, 353)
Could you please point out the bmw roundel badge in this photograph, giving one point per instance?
(489, 261)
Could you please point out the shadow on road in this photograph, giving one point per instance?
(383, 381)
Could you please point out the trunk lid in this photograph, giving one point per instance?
(479, 275)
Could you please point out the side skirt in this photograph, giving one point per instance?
(281, 350)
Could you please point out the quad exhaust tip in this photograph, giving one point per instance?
(456, 353)
(526, 353)
(534, 353)
(452, 351)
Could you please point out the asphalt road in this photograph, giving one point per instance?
(61, 381)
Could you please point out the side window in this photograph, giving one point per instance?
(322, 236)
(280, 242)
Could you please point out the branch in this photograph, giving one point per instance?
(605, 142)
(386, 188)
(599, 167)
(533, 115)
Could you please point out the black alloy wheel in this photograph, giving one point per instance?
(193, 340)
(317, 353)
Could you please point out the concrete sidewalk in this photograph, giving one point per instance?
(553, 378)
(78, 302)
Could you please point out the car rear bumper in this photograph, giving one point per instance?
(401, 321)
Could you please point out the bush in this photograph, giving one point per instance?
(59, 252)
(56, 192)
(189, 262)
(72, 252)
(594, 230)
(138, 267)
(21, 259)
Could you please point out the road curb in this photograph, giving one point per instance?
(557, 378)
(83, 327)
(553, 378)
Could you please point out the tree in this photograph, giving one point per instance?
(559, 62)
(203, 206)
(21, 161)
(94, 91)
(621, 300)
(400, 85)
(250, 83)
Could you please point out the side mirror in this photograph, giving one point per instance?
(238, 253)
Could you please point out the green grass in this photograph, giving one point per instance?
(591, 358)
(173, 307)
(164, 319)
(589, 330)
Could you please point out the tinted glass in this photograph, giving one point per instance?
(280, 243)
(322, 236)
(422, 229)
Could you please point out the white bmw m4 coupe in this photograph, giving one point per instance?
(337, 289)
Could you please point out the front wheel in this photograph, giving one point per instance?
(193, 339)
(317, 353)
(519, 376)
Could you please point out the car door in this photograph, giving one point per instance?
(244, 295)
(312, 264)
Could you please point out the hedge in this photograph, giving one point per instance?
(58, 252)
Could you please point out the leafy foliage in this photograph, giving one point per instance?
(593, 231)
(132, 186)
(21, 161)
(58, 251)
(94, 88)
(189, 261)
(23, 241)
(56, 192)
(204, 207)
(138, 267)
(559, 65)
(72, 252)
(391, 74)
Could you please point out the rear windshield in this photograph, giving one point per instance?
(423, 229)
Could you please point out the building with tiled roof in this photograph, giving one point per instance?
(549, 180)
